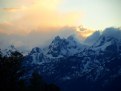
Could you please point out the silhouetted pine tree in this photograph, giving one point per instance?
(10, 72)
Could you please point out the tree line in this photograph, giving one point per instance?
(10, 72)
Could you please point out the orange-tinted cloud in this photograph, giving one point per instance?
(19, 9)
(9, 9)
(84, 32)
(42, 15)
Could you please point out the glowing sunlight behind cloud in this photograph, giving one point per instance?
(83, 32)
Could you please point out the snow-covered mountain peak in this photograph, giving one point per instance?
(72, 40)
(112, 32)
(64, 47)
(71, 37)
(111, 37)
(56, 39)
(11, 48)
(7, 52)
(36, 50)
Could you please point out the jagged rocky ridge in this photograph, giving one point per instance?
(59, 48)
(72, 65)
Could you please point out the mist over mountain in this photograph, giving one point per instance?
(34, 38)
(93, 38)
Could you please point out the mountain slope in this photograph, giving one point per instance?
(58, 48)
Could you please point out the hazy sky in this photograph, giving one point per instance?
(50, 17)
(96, 14)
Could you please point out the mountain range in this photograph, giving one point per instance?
(94, 65)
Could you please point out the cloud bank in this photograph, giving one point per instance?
(35, 23)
